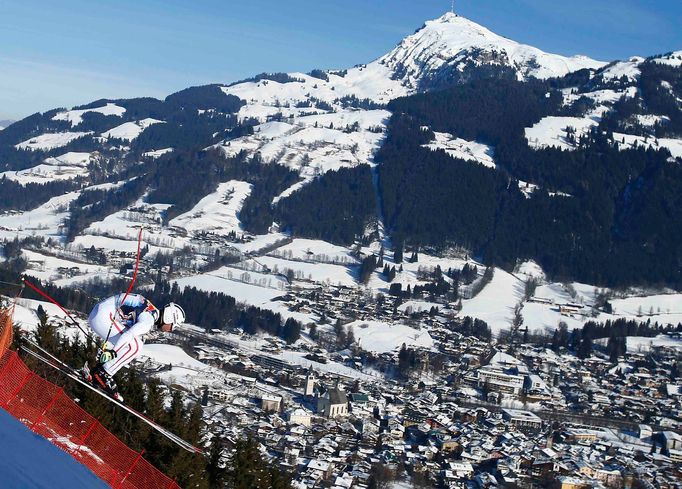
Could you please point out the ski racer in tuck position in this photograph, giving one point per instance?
(121, 321)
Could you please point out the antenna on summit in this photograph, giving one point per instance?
(452, 8)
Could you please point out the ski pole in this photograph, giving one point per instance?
(130, 287)
(45, 295)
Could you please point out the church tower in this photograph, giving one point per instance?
(309, 389)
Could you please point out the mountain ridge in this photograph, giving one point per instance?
(281, 135)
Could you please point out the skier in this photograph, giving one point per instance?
(120, 321)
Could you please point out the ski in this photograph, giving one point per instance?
(52, 361)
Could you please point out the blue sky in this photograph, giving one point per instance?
(56, 54)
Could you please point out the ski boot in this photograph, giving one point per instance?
(102, 380)
(85, 373)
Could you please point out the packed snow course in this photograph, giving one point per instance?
(28, 460)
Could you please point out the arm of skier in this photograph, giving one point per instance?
(144, 325)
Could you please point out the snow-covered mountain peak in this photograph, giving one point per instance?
(444, 48)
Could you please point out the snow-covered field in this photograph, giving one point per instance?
(126, 223)
(44, 220)
(46, 142)
(495, 304)
(465, 150)
(643, 344)
(315, 144)
(553, 131)
(381, 337)
(317, 272)
(217, 212)
(67, 166)
(672, 59)
(130, 130)
(171, 355)
(47, 267)
(627, 141)
(315, 250)
(75, 117)
(628, 69)
(242, 292)
(157, 153)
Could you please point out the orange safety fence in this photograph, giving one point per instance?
(6, 328)
(49, 412)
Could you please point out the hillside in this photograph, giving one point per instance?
(457, 148)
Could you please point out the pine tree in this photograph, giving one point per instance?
(291, 331)
(215, 470)
(248, 470)
(398, 253)
(585, 348)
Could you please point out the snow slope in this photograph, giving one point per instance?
(46, 267)
(672, 59)
(642, 343)
(316, 251)
(454, 41)
(462, 149)
(67, 166)
(553, 131)
(628, 69)
(130, 130)
(315, 144)
(243, 292)
(46, 142)
(381, 337)
(75, 117)
(45, 219)
(495, 304)
(29, 461)
(626, 141)
(171, 355)
(217, 212)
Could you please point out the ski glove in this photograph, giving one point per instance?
(106, 356)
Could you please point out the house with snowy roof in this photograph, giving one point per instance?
(333, 403)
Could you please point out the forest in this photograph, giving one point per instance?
(619, 223)
(335, 207)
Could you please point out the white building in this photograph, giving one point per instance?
(309, 389)
(299, 416)
(503, 373)
(270, 403)
(524, 420)
(333, 403)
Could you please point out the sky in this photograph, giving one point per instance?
(71, 52)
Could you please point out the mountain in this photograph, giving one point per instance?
(445, 51)
(450, 140)
(452, 49)
(5, 123)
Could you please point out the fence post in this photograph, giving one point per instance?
(47, 408)
(28, 377)
(81, 443)
(132, 466)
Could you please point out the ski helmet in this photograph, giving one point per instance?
(173, 315)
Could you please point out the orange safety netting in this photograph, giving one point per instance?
(49, 412)
(6, 329)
